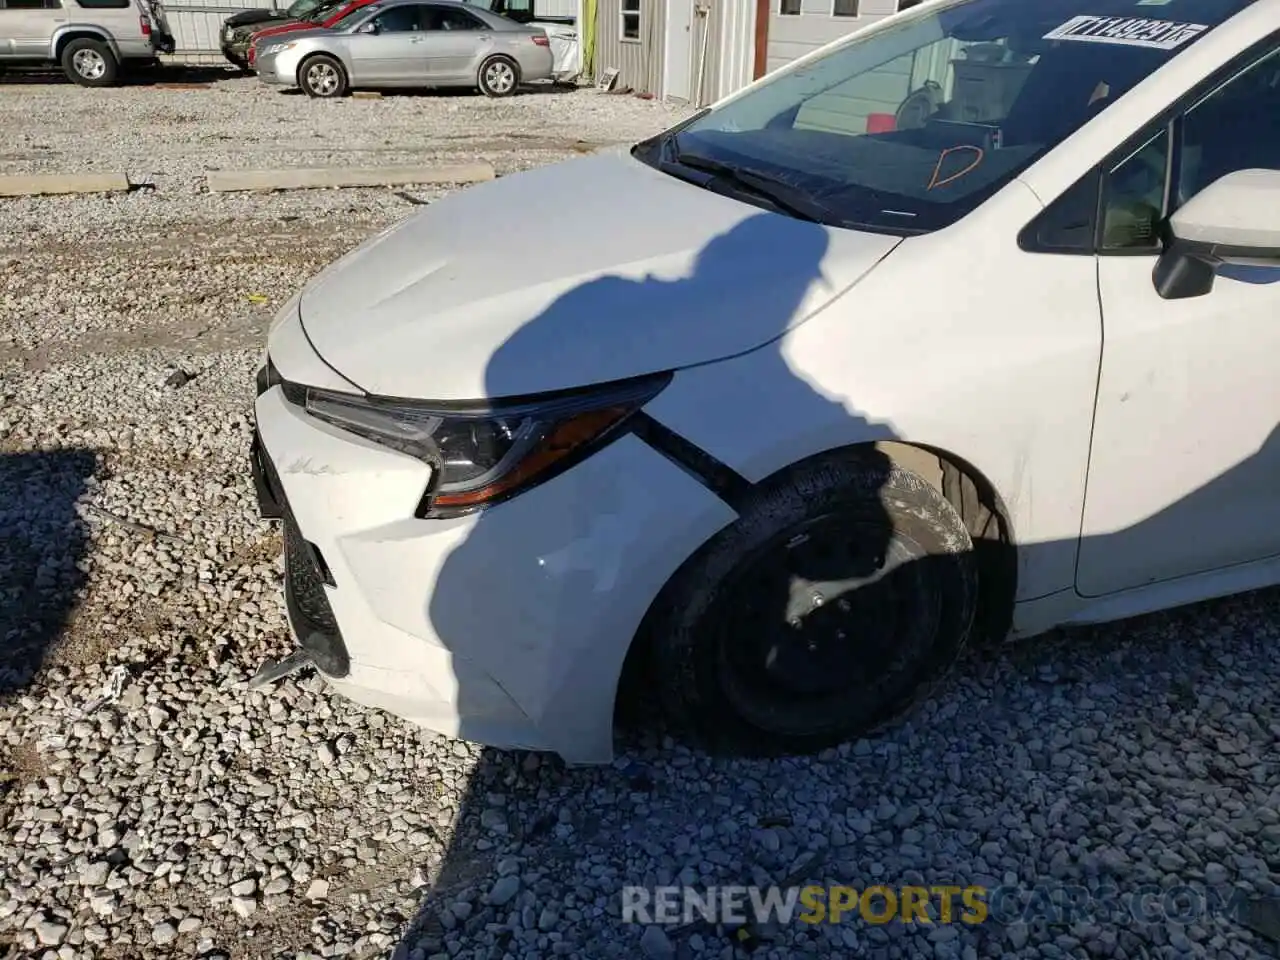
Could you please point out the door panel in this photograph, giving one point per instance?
(454, 40)
(26, 27)
(394, 54)
(1184, 474)
(677, 66)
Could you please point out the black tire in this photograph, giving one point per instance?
(747, 663)
(498, 77)
(89, 63)
(323, 77)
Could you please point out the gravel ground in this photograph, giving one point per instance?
(150, 807)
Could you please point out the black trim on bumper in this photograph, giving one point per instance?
(306, 574)
(269, 505)
(722, 480)
(308, 606)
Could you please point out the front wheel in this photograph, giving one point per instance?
(90, 63)
(322, 76)
(499, 77)
(844, 587)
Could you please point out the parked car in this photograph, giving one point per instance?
(333, 16)
(402, 43)
(776, 408)
(239, 28)
(93, 41)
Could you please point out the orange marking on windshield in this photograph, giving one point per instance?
(934, 182)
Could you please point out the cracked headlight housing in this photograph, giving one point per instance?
(484, 453)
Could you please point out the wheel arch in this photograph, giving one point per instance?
(976, 500)
(64, 35)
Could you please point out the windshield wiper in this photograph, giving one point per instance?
(786, 198)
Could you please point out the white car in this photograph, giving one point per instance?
(966, 322)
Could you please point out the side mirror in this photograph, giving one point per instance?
(370, 27)
(1234, 220)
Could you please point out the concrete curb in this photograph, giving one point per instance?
(35, 185)
(295, 178)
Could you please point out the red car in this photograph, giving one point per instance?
(337, 14)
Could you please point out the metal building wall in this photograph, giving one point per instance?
(730, 50)
(639, 63)
(196, 24)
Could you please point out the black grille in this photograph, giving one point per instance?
(305, 581)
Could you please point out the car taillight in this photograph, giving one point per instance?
(146, 26)
(542, 40)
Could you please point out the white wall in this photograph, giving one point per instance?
(197, 23)
(791, 37)
(557, 8)
(735, 59)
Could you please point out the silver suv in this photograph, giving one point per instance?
(93, 40)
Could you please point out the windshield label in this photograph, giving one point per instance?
(1128, 32)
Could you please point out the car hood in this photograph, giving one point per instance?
(292, 26)
(247, 18)
(307, 32)
(583, 272)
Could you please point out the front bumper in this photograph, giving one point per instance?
(508, 627)
(235, 50)
(269, 71)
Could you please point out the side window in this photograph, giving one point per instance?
(448, 19)
(402, 19)
(33, 4)
(99, 4)
(1070, 223)
(1135, 198)
(1237, 127)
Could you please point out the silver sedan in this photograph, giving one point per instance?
(399, 43)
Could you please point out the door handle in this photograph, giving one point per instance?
(415, 39)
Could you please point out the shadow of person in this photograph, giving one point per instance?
(745, 287)
(42, 546)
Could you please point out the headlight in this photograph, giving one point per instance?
(483, 454)
(278, 48)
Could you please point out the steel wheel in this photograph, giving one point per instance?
(817, 618)
(844, 589)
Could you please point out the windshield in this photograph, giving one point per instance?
(356, 16)
(911, 127)
(301, 9)
(322, 11)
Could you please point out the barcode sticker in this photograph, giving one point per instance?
(1128, 32)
